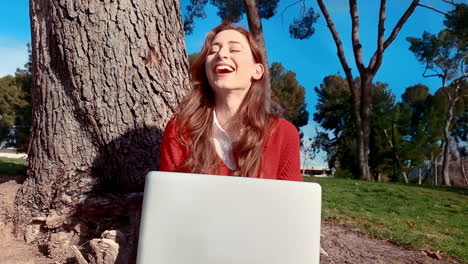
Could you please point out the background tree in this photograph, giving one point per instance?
(335, 117)
(308, 152)
(24, 114)
(362, 94)
(445, 57)
(15, 108)
(11, 99)
(334, 114)
(381, 153)
(419, 124)
(289, 94)
(107, 77)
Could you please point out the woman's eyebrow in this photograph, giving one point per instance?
(229, 42)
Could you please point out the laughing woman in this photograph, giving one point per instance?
(226, 125)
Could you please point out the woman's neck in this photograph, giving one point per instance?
(226, 108)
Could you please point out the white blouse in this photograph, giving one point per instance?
(222, 143)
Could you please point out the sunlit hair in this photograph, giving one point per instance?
(194, 118)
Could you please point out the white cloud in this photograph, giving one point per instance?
(13, 55)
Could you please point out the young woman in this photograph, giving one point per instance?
(227, 125)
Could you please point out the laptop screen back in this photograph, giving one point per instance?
(207, 219)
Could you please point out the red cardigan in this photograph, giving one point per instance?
(280, 159)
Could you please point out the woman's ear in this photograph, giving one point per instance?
(259, 70)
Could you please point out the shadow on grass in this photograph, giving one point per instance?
(12, 169)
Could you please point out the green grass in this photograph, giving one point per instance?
(413, 216)
(10, 166)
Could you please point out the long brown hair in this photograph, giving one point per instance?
(194, 118)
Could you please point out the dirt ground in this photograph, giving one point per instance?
(339, 244)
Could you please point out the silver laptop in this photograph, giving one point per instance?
(209, 219)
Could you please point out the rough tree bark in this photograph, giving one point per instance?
(362, 93)
(107, 76)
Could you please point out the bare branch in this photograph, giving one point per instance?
(462, 68)
(339, 46)
(450, 2)
(400, 23)
(293, 4)
(432, 75)
(376, 60)
(432, 8)
(357, 47)
(437, 74)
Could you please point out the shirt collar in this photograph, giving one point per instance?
(218, 125)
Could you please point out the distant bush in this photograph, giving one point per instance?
(343, 174)
(13, 166)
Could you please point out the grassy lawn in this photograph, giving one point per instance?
(10, 166)
(413, 216)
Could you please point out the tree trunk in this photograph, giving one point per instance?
(396, 156)
(446, 158)
(419, 176)
(107, 76)
(304, 160)
(435, 172)
(362, 100)
(365, 105)
(452, 100)
(255, 26)
(461, 157)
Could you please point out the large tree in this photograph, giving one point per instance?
(419, 122)
(337, 136)
(335, 116)
(107, 76)
(445, 56)
(362, 93)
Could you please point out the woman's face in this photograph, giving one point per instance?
(230, 64)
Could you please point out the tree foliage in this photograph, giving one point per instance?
(337, 137)
(445, 56)
(15, 107)
(303, 27)
(420, 123)
(334, 115)
(290, 94)
(229, 10)
(456, 21)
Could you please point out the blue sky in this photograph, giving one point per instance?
(311, 59)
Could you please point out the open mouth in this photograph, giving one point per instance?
(223, 69)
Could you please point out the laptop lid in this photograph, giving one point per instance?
(209, 219)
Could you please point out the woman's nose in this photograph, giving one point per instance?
(223, 53)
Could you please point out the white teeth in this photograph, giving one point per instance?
(224, 67)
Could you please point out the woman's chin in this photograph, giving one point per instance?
(229, 89)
